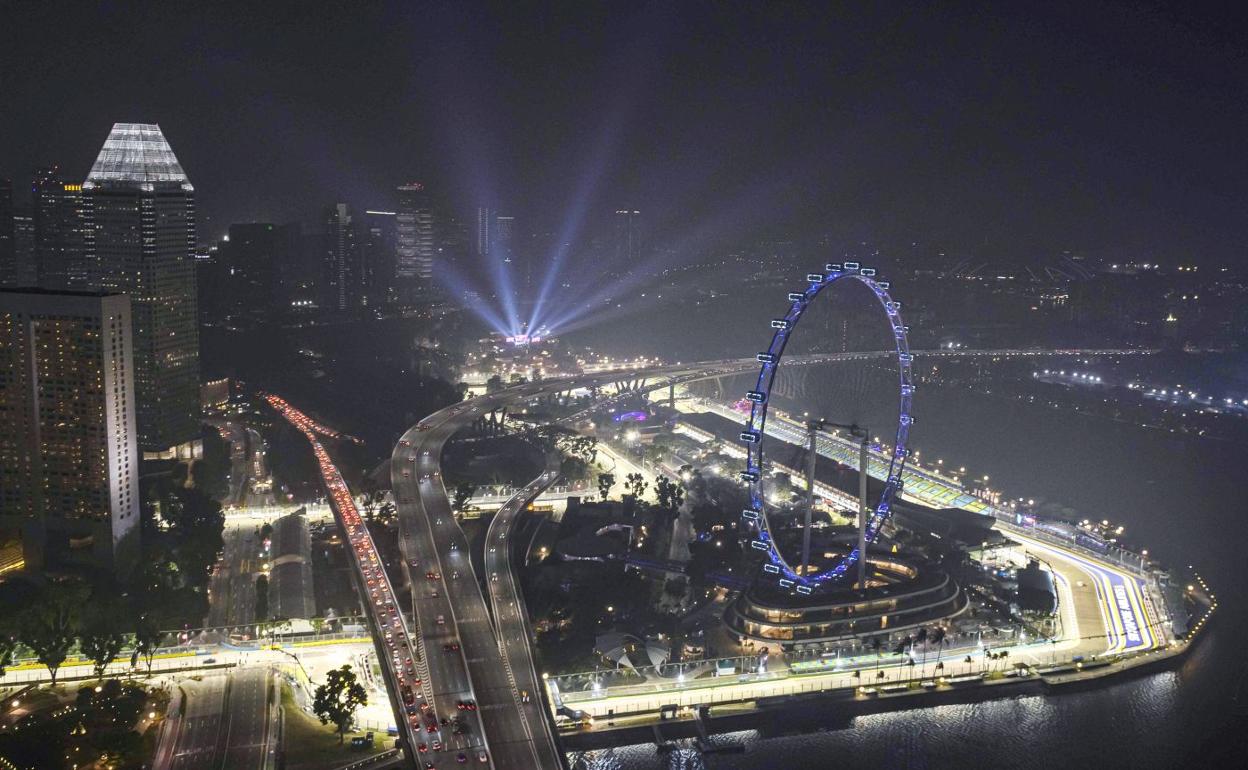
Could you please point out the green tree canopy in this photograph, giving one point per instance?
(337, 699)
(103, 632)
(49, 626)
(605, 482)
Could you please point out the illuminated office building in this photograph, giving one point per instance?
(60, 258)
(139, 212)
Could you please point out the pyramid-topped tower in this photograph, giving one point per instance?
(137, 152)
(139, 238)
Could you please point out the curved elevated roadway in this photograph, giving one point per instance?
(469, 658)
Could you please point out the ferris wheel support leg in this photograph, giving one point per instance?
(812, 430)
(864, 457)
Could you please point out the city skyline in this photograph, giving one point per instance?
(579, 386)
(892, 106)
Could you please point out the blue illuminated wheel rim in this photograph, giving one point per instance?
(755, 527)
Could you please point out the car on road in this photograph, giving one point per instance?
(441, 620)
(482, 757)
(431, 575)
(451, 646)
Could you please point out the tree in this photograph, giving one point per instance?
(8, 646)
(921, 638)
(386, 513)
(670, 494)
(49, 627)
(266, 531)
(337, 699)
(636, 484)
(463, 493)
(209, 473)
(102, 636)
(937, 637)
(262, 599)
(605, 482)
(662, 491)
(494, 384)
(370, 496)
(146, 639)
(11, 606)
(196, 523)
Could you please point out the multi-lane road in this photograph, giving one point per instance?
(459, 659)
(507, 606)
(465, 660)
(424, 720)
(448, 603)
(229, 721)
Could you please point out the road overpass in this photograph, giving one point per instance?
(400, 654)
(456, 657)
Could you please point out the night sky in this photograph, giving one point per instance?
(1005, 130)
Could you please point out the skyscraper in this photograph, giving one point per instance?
(341, 263)
(504, 238)
(376, 241)
(60, 260)
(24, 273)
(495, 234)
(627, 237)
(8, 248)
(69, 460)
(414, 237)
(485, 230)
(139, 210)
(244, 279)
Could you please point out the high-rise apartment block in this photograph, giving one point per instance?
(69, 458)
(139, 216)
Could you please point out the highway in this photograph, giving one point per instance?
(444, 584)
(402, 661)
(229, 721)
(232, 591)
(447, 601)
(511, 616)
(456, 658)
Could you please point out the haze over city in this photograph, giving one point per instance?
(618, 385)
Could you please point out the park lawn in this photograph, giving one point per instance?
(310, 745)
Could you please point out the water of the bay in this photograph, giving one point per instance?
(1182, 498)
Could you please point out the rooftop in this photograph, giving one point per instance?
(137, 152)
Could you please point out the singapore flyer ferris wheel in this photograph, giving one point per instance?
(756, 527)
